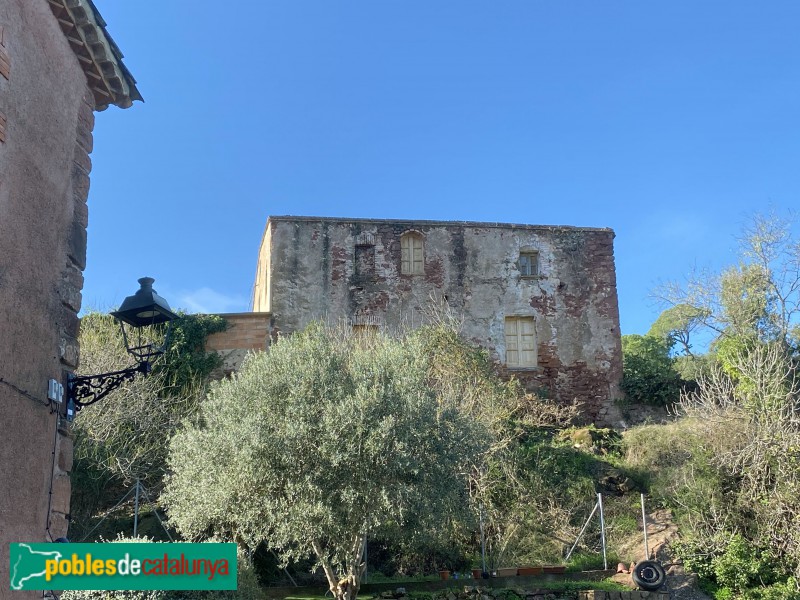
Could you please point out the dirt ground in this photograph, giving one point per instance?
(660, 531)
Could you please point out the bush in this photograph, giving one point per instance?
(648, 372)
(736, 569)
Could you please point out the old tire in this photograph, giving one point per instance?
(649, 575)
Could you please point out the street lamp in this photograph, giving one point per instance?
(144, 309)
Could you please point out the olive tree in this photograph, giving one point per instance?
(326, 439)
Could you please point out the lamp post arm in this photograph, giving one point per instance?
(84, 390)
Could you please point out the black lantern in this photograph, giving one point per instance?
(142, 310)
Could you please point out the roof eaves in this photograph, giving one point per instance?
(437, 223)
(99, 56)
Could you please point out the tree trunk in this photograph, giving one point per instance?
(344, 588)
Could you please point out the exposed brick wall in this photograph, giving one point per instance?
(246, 332)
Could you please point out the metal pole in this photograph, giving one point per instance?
(285, 569)
(483, 545)
(136, 510)
(602, 530)
(580, 535)
(644, 528)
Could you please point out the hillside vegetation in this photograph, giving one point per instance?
(729, 466)
(333, 441)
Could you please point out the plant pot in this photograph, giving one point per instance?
(444, 574)
(507, 572)
(555, 569)
(477, 573)
(529, 571)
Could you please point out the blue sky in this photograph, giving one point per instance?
(669, 122)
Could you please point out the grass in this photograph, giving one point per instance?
(378, 577)
(590, 561)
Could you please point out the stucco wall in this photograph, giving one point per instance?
(473, 268)
(44, 183)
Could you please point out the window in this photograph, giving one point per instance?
(365, 261)
(528, 263)
(364, 329)
(365, 323)
(520, 342)
(412, 260)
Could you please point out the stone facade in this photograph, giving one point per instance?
(47, 103)
(541, 299)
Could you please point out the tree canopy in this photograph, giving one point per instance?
(327, 438)
(753, 302)
(675, 326)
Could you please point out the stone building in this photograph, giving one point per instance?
(541, 299)
(57, 66)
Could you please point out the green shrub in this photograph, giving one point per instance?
(737, 570)
(787, 590)
(648, 372)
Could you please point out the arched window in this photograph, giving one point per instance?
(412, 256)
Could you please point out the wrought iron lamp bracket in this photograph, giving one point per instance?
(84, 390)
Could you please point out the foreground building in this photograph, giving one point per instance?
(541, 299)
(57, 66)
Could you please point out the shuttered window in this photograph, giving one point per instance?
(412, 257)
(520, 342)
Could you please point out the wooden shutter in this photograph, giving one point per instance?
(416, 255)
(527, 342)
(520, 342)
(512, 343)
(405, 254)
(412, 258)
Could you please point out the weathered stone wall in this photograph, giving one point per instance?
(44, 183)
(334, 269)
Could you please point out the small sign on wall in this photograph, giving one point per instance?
(55, 391)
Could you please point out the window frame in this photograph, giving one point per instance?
(533, 255)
